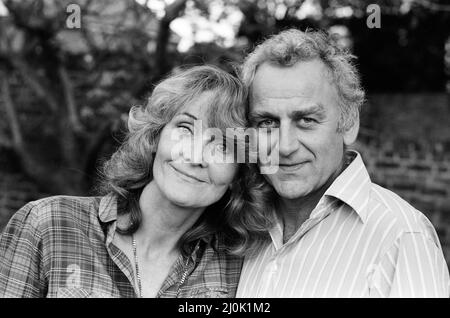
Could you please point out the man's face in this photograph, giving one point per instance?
(303, 104)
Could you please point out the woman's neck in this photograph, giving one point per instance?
(163, 223)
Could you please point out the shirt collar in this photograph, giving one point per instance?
(353, 185)
(107, 210)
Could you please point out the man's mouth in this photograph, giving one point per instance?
(187, 176)
(291, 166)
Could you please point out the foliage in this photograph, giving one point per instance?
(65, 92)
(71, 86)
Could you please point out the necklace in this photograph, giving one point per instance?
(138, 275)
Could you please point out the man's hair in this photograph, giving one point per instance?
(240, 214)
(292, 46)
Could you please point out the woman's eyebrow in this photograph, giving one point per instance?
(189, 115)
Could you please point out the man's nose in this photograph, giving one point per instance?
(288, 142)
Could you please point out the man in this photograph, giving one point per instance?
(337, 234)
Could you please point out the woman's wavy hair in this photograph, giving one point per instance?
(243, 214)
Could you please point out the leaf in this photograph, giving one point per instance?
(72, 41)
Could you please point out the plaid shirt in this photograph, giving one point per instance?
(62, 247)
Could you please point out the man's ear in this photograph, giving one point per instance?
(351, 133)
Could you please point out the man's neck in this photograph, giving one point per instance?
(295, 212)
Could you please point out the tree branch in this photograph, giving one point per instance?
(43, 176)
(434, 6)
(291, 10)
(94, 147)
(34, 82)
(11, 114)
(172, 12)
(74, 119)
(5, 142)
(68, 144)
(21, 13)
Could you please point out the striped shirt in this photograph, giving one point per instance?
(63, 247)
(361, 240)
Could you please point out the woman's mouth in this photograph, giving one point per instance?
(187, 176)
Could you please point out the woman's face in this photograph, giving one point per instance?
(189, 169)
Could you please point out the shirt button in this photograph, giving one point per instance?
(273, 267)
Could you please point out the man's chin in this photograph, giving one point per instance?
(291, 196)
(290, 192)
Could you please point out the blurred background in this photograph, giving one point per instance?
(70, 71)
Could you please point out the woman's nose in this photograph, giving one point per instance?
(200, 147)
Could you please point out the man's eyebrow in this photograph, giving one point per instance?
(260, 114)
(317, 109)
(189, 115)
(313, 109)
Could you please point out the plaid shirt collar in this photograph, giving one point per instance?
(107, 213)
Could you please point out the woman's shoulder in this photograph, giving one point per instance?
(216, 273)
(222, 250)
(59, 209)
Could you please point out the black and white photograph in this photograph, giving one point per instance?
(247, 150)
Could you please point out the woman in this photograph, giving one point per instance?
(174, 220)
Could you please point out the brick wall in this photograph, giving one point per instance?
(422, 181)
(404, 141)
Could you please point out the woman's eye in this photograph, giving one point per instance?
(184, 129)
(221, 148)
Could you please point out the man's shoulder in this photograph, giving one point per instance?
(404, 217)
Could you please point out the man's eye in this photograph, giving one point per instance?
(267, 123)
(307, 121)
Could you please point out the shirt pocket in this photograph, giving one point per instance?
(209, 292)
(76, 292)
